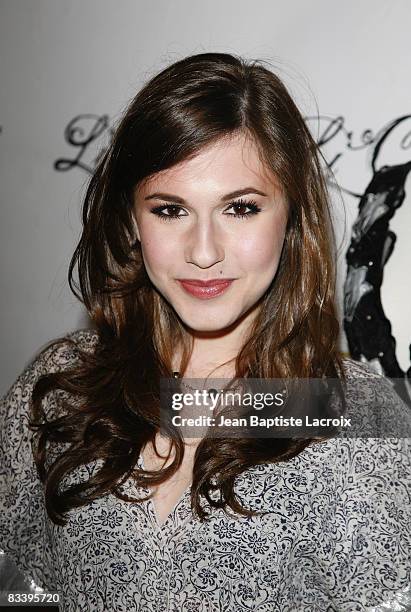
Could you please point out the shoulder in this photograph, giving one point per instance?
(57, 355)
(375, 402)
(63, 352)
(380, 432)
(16, 434)
(359, 369)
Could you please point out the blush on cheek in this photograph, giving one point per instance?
(262, 252)
(159, 256)
(158, 252)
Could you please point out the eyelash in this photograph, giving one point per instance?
(252, 205)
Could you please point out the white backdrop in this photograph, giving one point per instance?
(63, 59)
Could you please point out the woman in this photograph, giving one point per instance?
(207, 248)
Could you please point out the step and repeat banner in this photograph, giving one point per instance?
(68, 70)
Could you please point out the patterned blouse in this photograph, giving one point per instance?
(335, 534)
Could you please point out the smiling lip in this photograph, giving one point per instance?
(205, 289)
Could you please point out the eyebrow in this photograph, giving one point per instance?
(234, 194)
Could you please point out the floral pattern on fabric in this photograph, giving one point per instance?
(334, 533)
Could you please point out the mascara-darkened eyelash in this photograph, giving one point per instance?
(158, 211)
(254, 209)
(252, 205)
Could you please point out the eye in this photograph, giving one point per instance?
(254, 209)
(173, 210)
(158, 210)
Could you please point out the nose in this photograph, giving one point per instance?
(205, 246)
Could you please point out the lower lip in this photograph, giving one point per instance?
(205, 293)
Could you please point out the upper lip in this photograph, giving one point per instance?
(207, 283)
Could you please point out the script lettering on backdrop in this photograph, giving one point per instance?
(81, 133)
(367, 328)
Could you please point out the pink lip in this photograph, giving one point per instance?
(205, 289)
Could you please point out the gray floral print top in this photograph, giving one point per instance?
(335, 534)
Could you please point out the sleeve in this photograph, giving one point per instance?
(364, 552)
(23, 520)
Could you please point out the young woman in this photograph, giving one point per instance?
(207, 249)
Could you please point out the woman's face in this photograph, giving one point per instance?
(189, 226)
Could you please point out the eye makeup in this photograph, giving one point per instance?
(254, 209)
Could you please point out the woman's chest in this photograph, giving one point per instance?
(120, 549)
(112, 558)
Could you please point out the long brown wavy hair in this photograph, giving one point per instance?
(185, 107)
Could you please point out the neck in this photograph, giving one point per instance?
(213, 353)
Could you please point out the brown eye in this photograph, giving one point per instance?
(243, 204)
(174, 208)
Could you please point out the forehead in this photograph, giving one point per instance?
(226, 164)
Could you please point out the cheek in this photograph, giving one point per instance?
(159, 249)
(261, 251)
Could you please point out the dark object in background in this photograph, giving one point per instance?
(367, 328)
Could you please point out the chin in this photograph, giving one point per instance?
(207, 328)
(205, 324)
